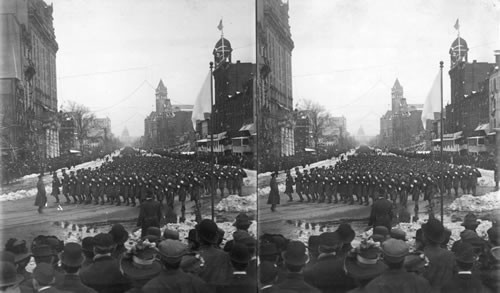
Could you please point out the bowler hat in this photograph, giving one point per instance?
(434, 231)
(470, 220)
(208, 231)
(103, 241)
(380, 233)
(346, 232)
(267, 272)
(88, 244)
(171, 234)
(72, 255)
(18, 248)
(192, 235)
(365, 265)
(464, 252)
(398, 234)
(329, 240)
(394, 250)
(8, 274)
(295, 253)
(493, 235)
(242, 220)
(119, 234)
(172, 251)
(44, 273)
(239, 253)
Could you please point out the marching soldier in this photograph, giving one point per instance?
(298, 184)
(56, 183)
(65, 186)
(289, 185)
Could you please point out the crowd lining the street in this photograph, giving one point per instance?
(161, 262)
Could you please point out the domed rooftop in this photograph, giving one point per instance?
(227, 44)
(463, 43)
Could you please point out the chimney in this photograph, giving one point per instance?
(497, 57)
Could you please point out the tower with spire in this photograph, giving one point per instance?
(398, 101)
(163, 105)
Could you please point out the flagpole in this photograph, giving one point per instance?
(212, 117)
(441, 148)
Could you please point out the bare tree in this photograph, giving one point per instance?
(83, 120)
(318, 118)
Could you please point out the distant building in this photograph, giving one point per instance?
(274, 99)
(302, 135)
(28, 106)
(169, 125)
(99, 133)
(401, 126)
(334, 131)
(125, 137)
(494, 96)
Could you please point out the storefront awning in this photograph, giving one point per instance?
(483, 127)
(241, 137)
(248, 127)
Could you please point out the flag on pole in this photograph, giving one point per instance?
(457, 25)
(433, 101)
(203, 102)
(220, 26)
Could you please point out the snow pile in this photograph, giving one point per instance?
(467, 202)
(19, 194)
(264, 191)
(251, 179)
(305, 230)
(236, 203)
(487, 178)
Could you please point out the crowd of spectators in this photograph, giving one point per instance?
(330, 262)
(484, 161)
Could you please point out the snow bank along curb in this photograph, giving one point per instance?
(236, 203)
(470, 203)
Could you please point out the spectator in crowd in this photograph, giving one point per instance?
(104, 274)
(88, 250)
(346, 234)
(22, 256)
(71, 263)
(217, 268)
(295, 258)
(240, 280)
(43, 253)
(192, 262)
(328, 274)
(44, 278)
(364, 265)
(395, 278)
(171, 278)
(150, 214)
(268, 273)
(313, 246)
(140, 265)
(465, 279)
(380, 234)
(120, 236)
(441, 260)
(10, 280)
(490, 275)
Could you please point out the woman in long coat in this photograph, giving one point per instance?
(41, 195)
(274, 195)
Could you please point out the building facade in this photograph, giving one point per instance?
(494, 95)
(29, 119)
(274, 99)
(469, 105)
(169, 125)
(400, 127)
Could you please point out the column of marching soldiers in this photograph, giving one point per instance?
(371, 176)
(128, 180)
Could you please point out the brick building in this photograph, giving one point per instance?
(28, 114)
(469, 107)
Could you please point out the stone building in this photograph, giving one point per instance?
(169, 125)
(274, 99)
(400, 127)
(494, 96)
(28, 117)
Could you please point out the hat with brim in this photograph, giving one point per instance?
(346, 233)
(72, 255)
(295, 254)
(119, 234)
(208, 231)
(239, 253)
(470, 220)
(364, 269)
(434, 231)
(395, 250)
(141, 266)
(8, 274)
(18, 248)
(242, 220)
(172, 251)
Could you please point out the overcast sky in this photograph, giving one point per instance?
(112, 53)
(348, 53)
